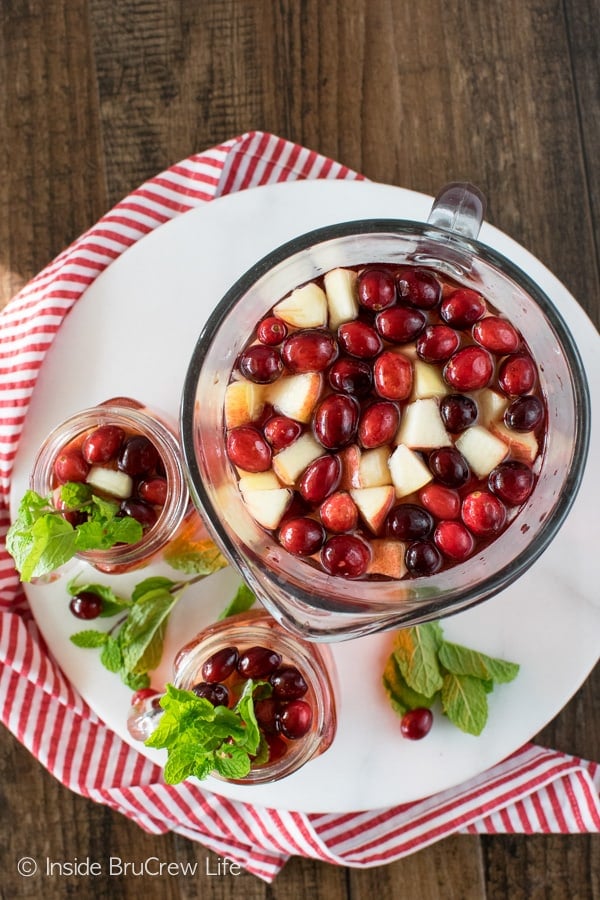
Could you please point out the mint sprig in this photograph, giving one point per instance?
(41, 540)
(424, 668)
(201, 738)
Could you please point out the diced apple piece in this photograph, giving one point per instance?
(296, 395)
(427, 381)
(305, 307)
(422, 427)
(491, 406)
(374, 503)
(373, 469)
(523, 445)
(289, 464)
(267, 507)
(342, 297)
(110, 481)
(350, 458)
(387, 558)
(244, 402)
(258, 481)
(481, 449)
(408, 471)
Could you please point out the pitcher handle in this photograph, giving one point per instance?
(458, 208)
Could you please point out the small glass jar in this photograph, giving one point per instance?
(135, 419)
(256, 628)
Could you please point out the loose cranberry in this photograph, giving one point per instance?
(525, 413)
(70, 466)
(154, 490)
(449, 466)
(138, 456)
(86, 605)
(512, 481)
(281, 431)
(419, 288)
(102, 444)
(359, 339)
(496, 334)
(216, 694)
(142, 695)
(271, 331)
(302, 536)
(336, 420)
(258, 662)
(416, 723)
(393, 375)
(437, 343)
(320, 478)
(288, 683)
(469, 369)
(339, 513)
(462, 308)
(454, 540)
(346, 555)
(220, 665)
(422, 558)
(378, 424)
(295, 720)
(442, 502)
(261, 364)
(376, 289)
(458, 412)
(517, 374)
(247, 448)
(266, 711)
(351, 376)
(483, 513)
(400, 324)
(408, 522)
(309, 350)
(138, 509)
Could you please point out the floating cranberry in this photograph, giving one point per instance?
(376, 289)
(458, 412)
(216, 694)
(271, 331)
(408, 522)
(483, 513)
(266, 712)
(288, 683)
(359, 339)
(138, 456)
(469, 369)
(336, 420)
(517, 374)
(416, 723)
(449, 466)
(351, 376)
(339, 513)
(258, 662)
(378, 424)
(346, 555)
(393, 375)
(261, 364)
(400, 324)
(462, 308)
(142, 695)
(70, 466)
(220, 665)
(422, 558)
(525, 413)
(281, 431)
(247, 448)
(138, 509)
(295, 720)
(86, 605)
(419, 288)
(302, 536)
(309, 350)
(320, 478)
(277, 747)
(442, 502)
(154, 490)
(512, 481)
(102, 444)
(496, 334)
(454, 540)
(437, 343)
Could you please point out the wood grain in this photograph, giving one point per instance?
(97, 96)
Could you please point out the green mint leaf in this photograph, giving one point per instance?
(52, 545)
(194, 554)
(185, 761)
(464, 701)
(416, 652)
(112, 656)
(401, 696)
(154, 583)
(242, 600)
(232, 761)
(75, 494)
(89, 638)
(463, 661)
(250, 737)
(262, 754)
(135, 682)
(143, 627)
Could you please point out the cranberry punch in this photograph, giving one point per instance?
(403, 421)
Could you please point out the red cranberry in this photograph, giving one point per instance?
(400, 324)
(320, 478)
(271, 331)
(220, 665)
(346, 555)
(288, 683)
(393, 375)
(351, 376)
(437, 343)
(154, 490)
(416, 723)
(378, 424)
(359, 339)
(70, 466)
(102, 444)
(458, 412)
(462, 308)
(86, 605)
(376, 289)
(512, 481)
(247, 448)
(216, 694)
(142, 695)
(138, 509)
(277, 747)
(138, 456)
(517, 374)
(339, 512)
(496, 334)
(420, 288)
(449, 466)
(525, 413)
(442, 502)
(295, 719)
(336, 420)
(422, 558)
(454, 540)
(266, 712)
(261, 364)
(483, 513)
(258, 662)
(309, 350)
(469, 369)
(281, 431)
(408, 522)
(302, 536)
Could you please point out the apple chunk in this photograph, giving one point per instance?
(267, 507)
(342, 297)
(374, 503)
(258, 481)
(244, 402)
(296, 395)
(387, 558)
(408, 471)
(305, 307)
(523, 445)
(427, 381)
(421, 427)
(481, 449)
(289, 464)
(491, 406)
(373, 469)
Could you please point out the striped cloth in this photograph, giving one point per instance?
(534, 790)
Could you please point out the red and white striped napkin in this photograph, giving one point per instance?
(535, 790)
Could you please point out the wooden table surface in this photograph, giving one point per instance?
(98, 95)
